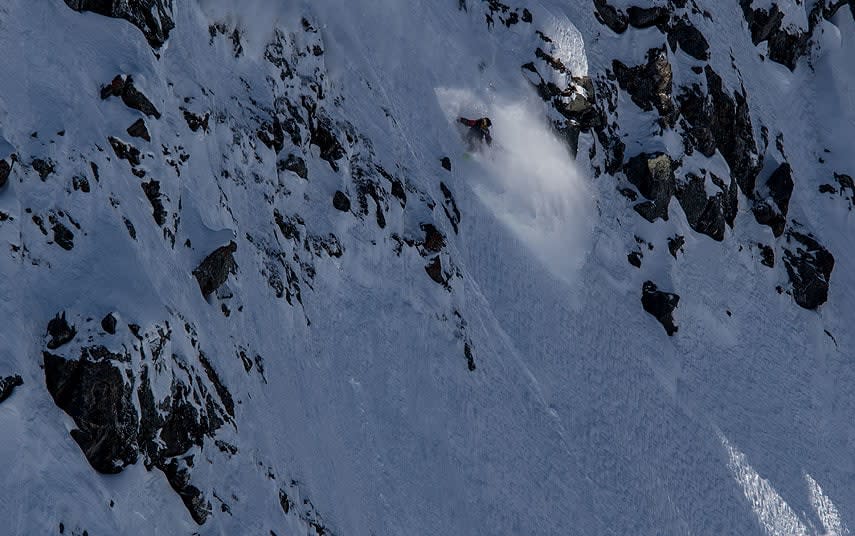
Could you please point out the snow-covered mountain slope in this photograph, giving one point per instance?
(254, 284)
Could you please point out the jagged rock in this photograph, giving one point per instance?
(132, 97)
(784, 47)
(767, 255)
(194, 500)
(8, 384)
(323, 137)
(446, 163)
(341, 201)
(675, 244)
(661, 305)
(294, 164)
(5, 170)
(195, 121)
(649, 85)
(690, 40)
(634, 258)
(60, 331)
(705, 215)
(96, 396)
(62, 236)
(728, 122)
(470, 356)
(450, 207)
(779, 187)
(139, 130)
(43, 167)
(108, 324)
(125, 151)
(434, 240)
(653, 175)
(215, 269)
(809, 266)
(289, 226)
(152, 17)
(152, 193)
(610, 16)
(639, 17)
(273, 135)
(435, 271)
(80, 183)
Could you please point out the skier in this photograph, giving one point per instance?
(478, 131)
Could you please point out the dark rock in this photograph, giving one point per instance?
(195, 121)
(341, 201)
(648, 17)
(675, 244)
(653, 175)
(8, 384)
(610, 16)
(130, 227)
(661, 305)
(139, 130)
(809, 266)
(323, 137)
(706, 215)
(683, 34)
(43, 167)
(60, 331)
(80, 183)
(95, 395)
(767, 255)
(152, 193)
(294, 164)
(779, 187)
(434, 270)
(450, 207)
(62, 236)
(134, 98)
(222, 391)
(446, 163)
(273, 135)
(289, 226)
(125, 151)
(108, 324)
(194, 500)
(470, 357)
(434, 240)
(634, 258)
(152, 17)
(5, 170)
(649, 85)
(215, 269)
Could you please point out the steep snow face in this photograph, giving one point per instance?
(255, 284)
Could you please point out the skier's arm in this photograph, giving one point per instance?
(467, 122)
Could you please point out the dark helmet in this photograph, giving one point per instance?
(485, 122)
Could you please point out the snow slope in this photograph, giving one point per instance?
(580, 415)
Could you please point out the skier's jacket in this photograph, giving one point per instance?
(478, 129)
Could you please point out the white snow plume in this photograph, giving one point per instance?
(529, 180)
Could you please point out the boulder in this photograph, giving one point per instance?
(653, 175)
(610, 16)
(661, 305)
(215, 269)
(690, 40)
(60, 331)
(809, 266)
(8, 384)
(341, 201)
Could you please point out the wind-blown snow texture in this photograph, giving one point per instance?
(268, 308)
